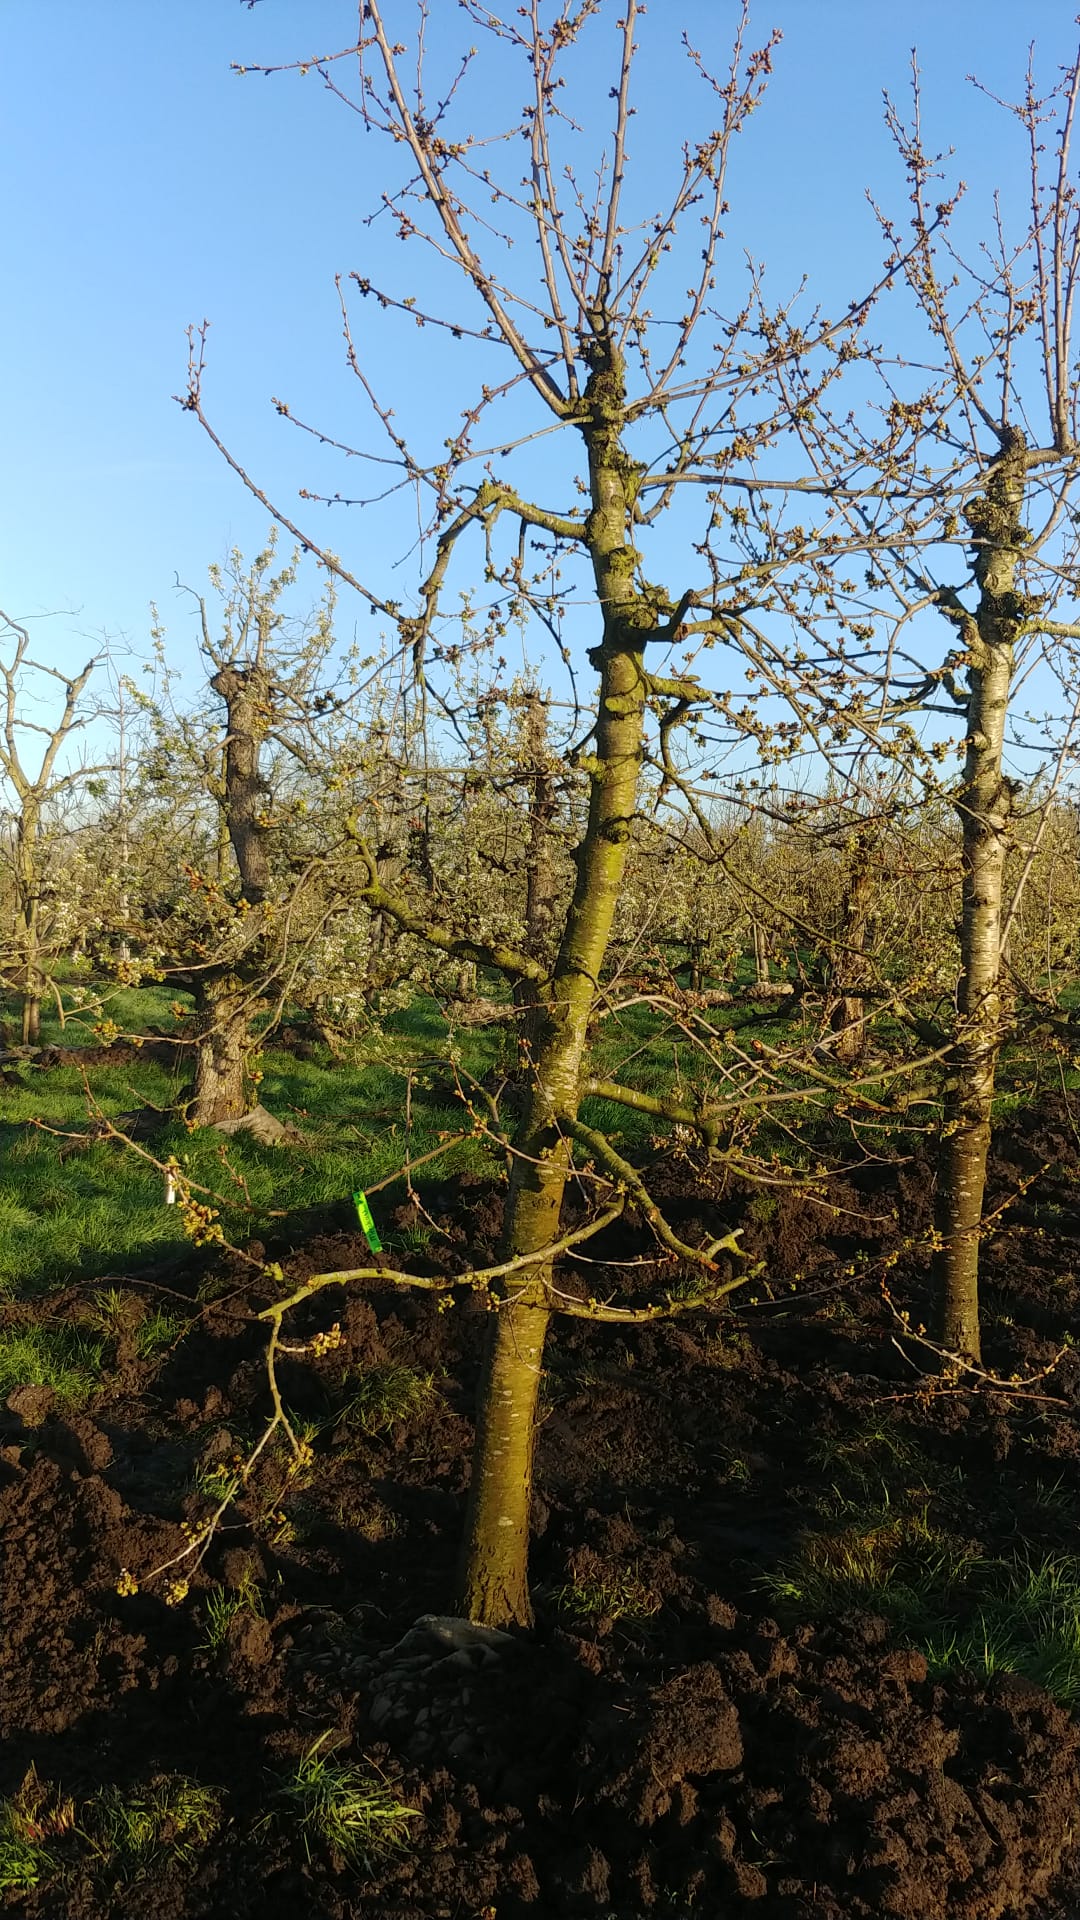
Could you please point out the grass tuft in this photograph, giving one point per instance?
(619, 1596)
(382, 1397)
(173, 1814)
(343, 1810)
(223, 1605)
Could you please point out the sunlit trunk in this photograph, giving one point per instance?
(984, 806)
(494, 1574)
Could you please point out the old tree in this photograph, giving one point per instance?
(632, 401)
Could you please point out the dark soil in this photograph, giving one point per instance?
(663, 1743)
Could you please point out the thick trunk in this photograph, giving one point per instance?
(245, 691)
(984, 806)
(847, 1018)
(31, 1012)
(222, 1090)
(32, 978)
(27, 883)
(494, 1573)
(226, 1002)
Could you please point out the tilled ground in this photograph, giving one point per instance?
(671, 1740)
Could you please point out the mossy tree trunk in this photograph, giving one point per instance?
(983, 803)
(223, 1042)
(494, 1577)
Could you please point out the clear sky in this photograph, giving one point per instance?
(146, 186)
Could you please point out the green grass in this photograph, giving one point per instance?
(383, 1397)
(342, 1810)
(964, 1610)
(129, 1829)
(223, 1605)
(1028, 1623)
(56, 1357)
(72, 1206)
(24, 1862)
(618, 1596)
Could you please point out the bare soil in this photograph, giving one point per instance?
(685, 1752)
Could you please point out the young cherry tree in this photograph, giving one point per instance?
(961, 491)
(622, 384)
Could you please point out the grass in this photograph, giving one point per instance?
(129, 1829)
(56, 1357)
(74, 1205)
(224, 1605)
(23, 1863)
(966, 1611)
(618, 1596)
(84, 1207)
(1028, 1623)
(382, 1397)
(342, 1810)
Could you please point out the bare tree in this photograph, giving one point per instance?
(960, 497)
(608, 341)
(37, 793)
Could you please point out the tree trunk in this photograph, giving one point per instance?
(984, 804)
(494, 1573)
(245, 691)
(226, 1002)
(222, 1090)
(27, 883)
(31, 996)
(847, 1019)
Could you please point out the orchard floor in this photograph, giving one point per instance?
(691, 1729)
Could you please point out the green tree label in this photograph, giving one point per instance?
(364, 1215)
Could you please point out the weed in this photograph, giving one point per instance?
(24, 1863)
(621, 1596)
(223, 1604)
(173, 1814)
(1029, 1623)
(158, 1331)
(963, 1611)
(731, 1469)
(109, 1311)
(870, 1457)
(217, 1483)
(379, 1523)
(342, 1809)
(409, 1239)
(381, 1397)
(36, 1814)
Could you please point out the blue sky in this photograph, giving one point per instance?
(147, 186)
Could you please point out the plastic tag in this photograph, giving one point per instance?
(364, 1215)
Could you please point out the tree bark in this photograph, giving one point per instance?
(222, 1089)
(984, 804)
(494, 1572)
(27, 883)
(847, 1018)
(224, 999)
(245, 691)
